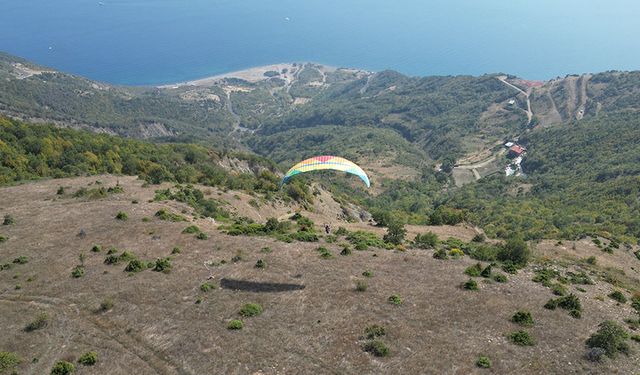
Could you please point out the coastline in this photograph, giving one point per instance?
(287, 71)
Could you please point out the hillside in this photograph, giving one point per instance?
(313, 319)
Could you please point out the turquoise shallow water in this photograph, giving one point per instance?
(163, 41)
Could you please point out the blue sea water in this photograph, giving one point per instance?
(163, 41)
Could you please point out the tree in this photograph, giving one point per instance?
(611, 337)
(395, 232)
(515, 250)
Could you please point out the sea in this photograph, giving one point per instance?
(152, 42)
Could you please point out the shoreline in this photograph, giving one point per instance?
(287, 71)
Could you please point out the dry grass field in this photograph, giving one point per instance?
(313, 320)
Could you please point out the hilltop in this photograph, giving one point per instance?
(313, 319)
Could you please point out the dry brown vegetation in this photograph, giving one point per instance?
(313, 319)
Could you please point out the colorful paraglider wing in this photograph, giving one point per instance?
(326, 162)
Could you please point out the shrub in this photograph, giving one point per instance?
(111, 259)
(377, 348)
(373, 331)
(135, 265)
(191, 229)
(483, 362)
(207, 286)
(164, 214)
(395, 232)
(579, 278)
(3, 239)
(500, 278)
(122, 216)
(266, 250)
(77, 272)
(456, 253)
(470, 285)
(510, 268)
(202, 236)
(479, 238)
(60, 190)
(486, 272)
(544, 275)
(163, 265)
(361, 286)
(522, 338)
(440, 254)
(21, 260)
(88, 359)
(304, 236)
(176, 250)
(474, 271)
(611, 337)
(591, 260)
(8, 220)
(106, 305)
(346, 250)
(341, 231)
(558, 290)
(235, 324)
(251, 309)
(522, 318)
(261, 264)
(394, 299)
(96, 249)
(8, 361)
(63, 368)
(427, 240)
(367, 273)
(618, 296)
(515, 250)
(41, 321)
(635, 302)
(324, 253)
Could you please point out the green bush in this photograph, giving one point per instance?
(191, 229)
(618, 296)
(611, 337)
(361, 286)
(106, 305)
(427, 240)
(202, 236)
(96, 249)
(486, 272)
(207, 286)
(510, 268)
(112, 259)
(8, 362)
(21, 260)
(77, 272)
(395, 299)
(523, 318)
(135, 265)
(440, 254)
(591, 260)
(235, 324)
(479, 238)
(515, 250)
(558, 290)
(324, 253)
(483, 362)
(395, 232)
(500, 278)
(3, 239)
(63, 368)
(373, 331)
(377, 348)
(176, 250)
(122, 216)
(304, 236)
(367, 273)
(346, 250)
(570, 303)
(261, 264)
(88, 359)
(470, 285)
(41, 321)
(8, 220)
(474, 271)
(163, 265)
(522, 338)
(164, 214)
(251, 309)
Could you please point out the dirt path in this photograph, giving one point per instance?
(529, 112)
(366, 85)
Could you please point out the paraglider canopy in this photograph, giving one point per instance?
(335, 163)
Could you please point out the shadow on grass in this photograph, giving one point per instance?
(252, 286)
